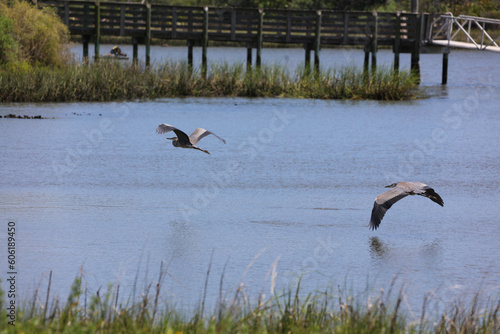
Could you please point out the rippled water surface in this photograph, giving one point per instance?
(92, 188)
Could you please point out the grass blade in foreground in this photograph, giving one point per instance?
(289, 312)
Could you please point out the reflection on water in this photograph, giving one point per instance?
(117, 198)
(380, 250)
(377, 248)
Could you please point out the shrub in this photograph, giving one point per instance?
(7, 43)
(29, 34)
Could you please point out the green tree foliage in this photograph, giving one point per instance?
(33, 36)
(476, 8)
(7, 43)
(486, 8)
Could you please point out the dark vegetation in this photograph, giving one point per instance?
(291, 311)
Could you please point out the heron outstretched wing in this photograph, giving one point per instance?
(181, 136)
(200, 133)
(164, 128)
(433, 196)
(382, 203)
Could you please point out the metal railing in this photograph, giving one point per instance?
(464, 31)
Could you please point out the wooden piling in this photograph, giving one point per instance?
(444, 79)
(258, 52)
(397, 41)
(97, 33)
(374, 43)
(366, 62)
(307, 62)
(249, 55)
(317, 41)
(148, 34)
(190, 44)
(414, 6)
(415, 54)
(135, 53)
(204, 43)
(85, 42)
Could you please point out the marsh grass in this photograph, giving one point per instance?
(291, 311)
(113, 81)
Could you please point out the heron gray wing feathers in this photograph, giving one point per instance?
(181, 136)
(164, 128)
(200, 133)
(382, 203)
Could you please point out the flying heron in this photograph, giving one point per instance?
(399, 190)
(185, 141)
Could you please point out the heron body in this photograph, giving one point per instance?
(399, 190)
(183, 140)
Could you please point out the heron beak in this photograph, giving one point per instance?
(171, 138)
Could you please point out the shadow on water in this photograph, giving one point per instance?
(378, 249)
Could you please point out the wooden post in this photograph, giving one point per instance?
(444, 79)
(135, 52)
(148, 34)
(415, 54)
(414, 6)
(288, 26)
(86, 15)
(317, 41)
(366, 63)
(374, 42)
(233, 24)
(397, 41)
(85, 41)
(204, 43)
(307, 63)
(174, 22)
(258, 51)
(190, 54)
(346, 28)
(249, 55)
(97, 33)
(66, 13)
(122, 20)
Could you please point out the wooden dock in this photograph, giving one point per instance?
(404, 32)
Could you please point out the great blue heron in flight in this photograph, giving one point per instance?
(399, 190)
(185, 141)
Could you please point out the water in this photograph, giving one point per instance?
(94, 190)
